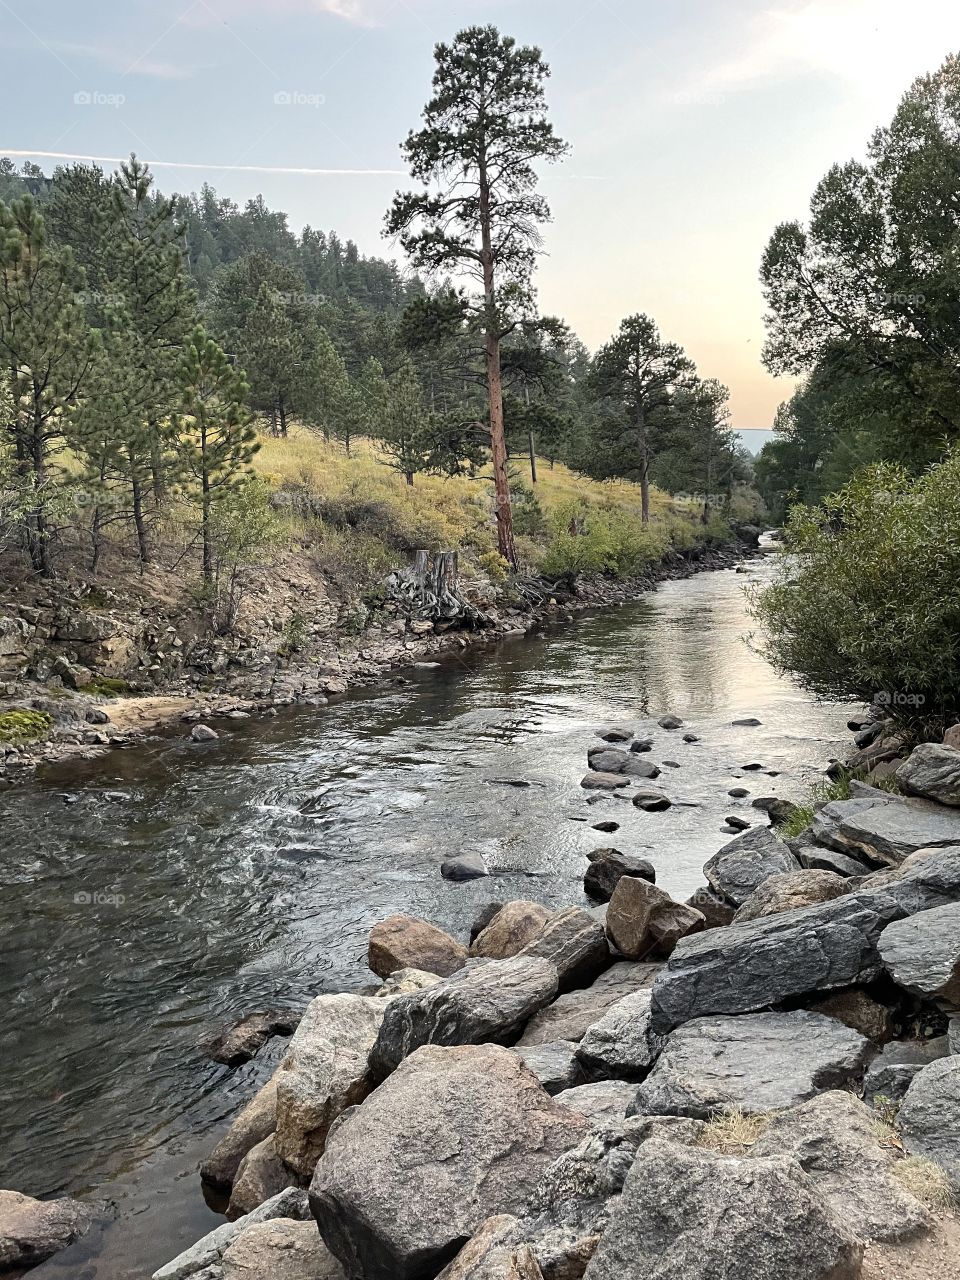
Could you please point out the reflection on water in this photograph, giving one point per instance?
(153, 894)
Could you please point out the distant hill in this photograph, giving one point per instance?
(755, 438)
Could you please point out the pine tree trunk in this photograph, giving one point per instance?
(498, 443)
(205, 529)
(156, 464)
(36, 522)
(644, 466)
(409, 477)
(282, 409)
(533, 457)
(139, 524)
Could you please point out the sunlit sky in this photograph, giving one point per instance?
(696, 126)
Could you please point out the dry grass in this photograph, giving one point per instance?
(927, 1182)
(732, 1133)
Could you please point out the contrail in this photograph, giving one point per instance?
(223, 168)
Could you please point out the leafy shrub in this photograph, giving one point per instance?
(866, 605)
(598, 540)
(528, 517)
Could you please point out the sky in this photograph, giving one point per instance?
(696, 126)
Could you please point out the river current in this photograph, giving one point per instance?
(155, 894)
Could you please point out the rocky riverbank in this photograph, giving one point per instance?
(83, 674)
(762, 1081)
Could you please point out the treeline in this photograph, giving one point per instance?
(145, 337)
(864, 305)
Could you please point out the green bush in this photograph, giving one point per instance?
(866, 604)
(598, 540)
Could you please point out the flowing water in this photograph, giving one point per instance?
(153, 895)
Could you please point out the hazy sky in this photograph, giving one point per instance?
(696, 126)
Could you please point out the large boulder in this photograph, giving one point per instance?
(933, 771)
(643, 920)
(571, 1015)
(325, 1071)
(33, 1230)
(281, 1249)
(621, 1045)
(608, 867)
(791, 889)
(489, 1000)
(261, 1176)
(929, 1116)
(453, 1137)
(404, 942)
(514, 926)
(856, 1008)
(754, 1063)
(922, 953)
(494, 1253)
(883, 828)
(898, 1064)
(762, 962)
(689, 1214)
(835, 1139)
(741, 866)
(575, 943)
(554, 1063)
(256, 1122)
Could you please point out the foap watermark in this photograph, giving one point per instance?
(701, 499)
(303, 299)
(97, 298)
(698, 98)
(98, 98)
(898, 698)
(99, 898)
(903, 299)
(296, 98)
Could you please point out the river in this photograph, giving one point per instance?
(154, 894)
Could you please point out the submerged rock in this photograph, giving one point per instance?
(245, 1038)
(465, 866)
(608, 867)
(453, 1137)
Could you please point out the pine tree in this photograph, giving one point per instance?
(269, 351)
(484, 128)
(48, 352)
(404, 425)
(217, 442)
(324, 386)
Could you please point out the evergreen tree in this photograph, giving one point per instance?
(217, 442)
(269, 350)
(48, 352)
(484, 129)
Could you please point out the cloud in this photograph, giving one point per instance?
(361, 13)
(124, 62)
(871, 45)
(207, 166)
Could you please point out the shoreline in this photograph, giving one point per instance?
(87, 727)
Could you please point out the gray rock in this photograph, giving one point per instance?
(607, 759)
(928, 878)
(690, 737)
(572, 1014)
(489, 1000)
(607, 827)
(642, 920)
(465, 866)
(325, 1071)
(716, 911)
(762, 962)
(554, 1063)
(741, 866)
(404, 981)
(651, 800)
(736, 823)
(689, 1214)
(33, 1230)
(884, 828)
(96, 715)
(953, 1034)
(594, 781)
(261, 1176)
(815, 858)
(929, 1117)
(856, 1008)
(575, 943)
(470, 1129)
(621, 1045)
(641, 745)
(897, 1064)
(203, 1259)
(789, 890)
(749, 722)
(513, 927)
(483, 917)
(635, 768)
(406, 942)
(755, 1063)
(603, 1103)
(252, 1125)
(776, 808)
(281, 1249)
(608, 867)
(738, 793)
(670, 722)
(834, 1139)
(922, 953)
(203, 733)
(932, 770)
(495, 1252)
(615, 733)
